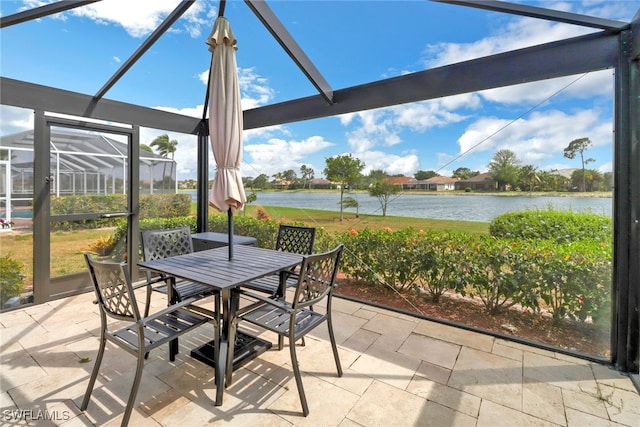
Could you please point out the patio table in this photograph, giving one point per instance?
(214, 268)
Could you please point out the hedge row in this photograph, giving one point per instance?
(151, 206)
(567, 278)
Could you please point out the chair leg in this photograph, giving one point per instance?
(297, 375)
(134, 390)
(334, 347)
(173, 344)
(94, 374)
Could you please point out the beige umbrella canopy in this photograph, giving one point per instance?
(225, 123)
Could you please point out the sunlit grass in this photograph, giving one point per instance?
(330, 220)
(66, 250)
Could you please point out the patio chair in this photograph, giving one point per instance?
(293, 239)
(294, 320)
(157, 244)
(117, 300)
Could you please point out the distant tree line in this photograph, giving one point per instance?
(345, 173)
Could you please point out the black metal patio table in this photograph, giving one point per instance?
(214, 268)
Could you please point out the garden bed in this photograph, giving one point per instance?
(574, 336)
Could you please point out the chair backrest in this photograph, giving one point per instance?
(157, 244)
(113, 289)
(298, 240)
(317, 277)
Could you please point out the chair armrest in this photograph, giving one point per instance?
(154, 276)
(281, 304)
(167, 310)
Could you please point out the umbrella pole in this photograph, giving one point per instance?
(230, 228)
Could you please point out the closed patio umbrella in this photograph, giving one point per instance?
(225, 123)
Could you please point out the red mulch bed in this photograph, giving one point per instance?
(573, 336)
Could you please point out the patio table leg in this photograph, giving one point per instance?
(222, 355)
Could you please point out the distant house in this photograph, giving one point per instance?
(400, 181)
(319, 183)
(438, 183)
(483, 181)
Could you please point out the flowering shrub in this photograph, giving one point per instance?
(569, 279)
(443, 272)
(499, 272)
(575, 279)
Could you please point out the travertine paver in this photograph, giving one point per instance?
(398, 371)
(494, 378)
(437, 352)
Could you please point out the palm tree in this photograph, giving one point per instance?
(529, 176)
(165, 146)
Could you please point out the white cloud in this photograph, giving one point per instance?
(254, 89)
(390, 163)
(371, 133)
(15, 119)
(140, 18)
(537, 138)
(596, 83)
(277, 155)
(517, 33)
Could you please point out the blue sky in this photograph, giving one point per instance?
(351, 43)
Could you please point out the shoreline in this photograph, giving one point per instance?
(595, 194)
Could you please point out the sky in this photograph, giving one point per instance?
(350, 43)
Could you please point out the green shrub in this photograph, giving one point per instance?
(11, 278)
(499, 273)
(386, 257)
(442, 272)
(575, 279)
(151, 206)
(560, 226)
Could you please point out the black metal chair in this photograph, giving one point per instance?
(165, 243)
(116, 299)
(158, 244)
(293, 239)
(294, 320)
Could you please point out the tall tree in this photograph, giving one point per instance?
(261, 181)
(504, 167)
(375, 175)
(529, 176)
(464, 173)
(164, 146)
(307, 174)
(383, 190)
(422, 175)
(579, 146)
(344, 170)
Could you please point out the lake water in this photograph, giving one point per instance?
(456, 207)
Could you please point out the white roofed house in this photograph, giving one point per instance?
(439, 183)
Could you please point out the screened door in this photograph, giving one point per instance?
(84, 199)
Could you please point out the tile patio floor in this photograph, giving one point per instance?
(398, 371)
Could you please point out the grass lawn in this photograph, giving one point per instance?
(330, 220)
